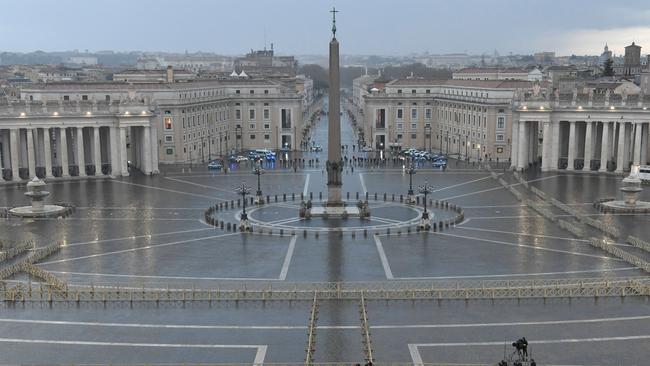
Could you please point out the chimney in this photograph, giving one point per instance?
(170, 74)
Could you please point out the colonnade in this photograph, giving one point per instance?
(580, 145)
(81, 151)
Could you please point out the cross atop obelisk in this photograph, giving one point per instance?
(334, 11)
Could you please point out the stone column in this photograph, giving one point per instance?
(63, 152)
(555, 149)
(47, 151)
(588, 146)
(155, 152)
(522, 156)
(15, 167)
(124, 165)
(97, 154)
(572, 145)
(514, 146)
(31, 154)
(115, 152)
(2, 179)
(146, 150)
(636, 158)
(604, 148)
(81, 163)
(620, 152)
(547, 146)
(644, 143)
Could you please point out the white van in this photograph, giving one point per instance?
(644, 173)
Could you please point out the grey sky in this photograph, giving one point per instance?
(388, 27)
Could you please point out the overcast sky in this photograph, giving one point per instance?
(385, 27)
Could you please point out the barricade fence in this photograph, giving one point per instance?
(398, 290)
(15, 250)
(633, 240)
(617, 252)
(573, 229)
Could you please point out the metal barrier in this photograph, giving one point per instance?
(398, 290)
(365, 332)
(617, 252)
(633, 240)
(573, 229)
(15, 250)
(311, 335)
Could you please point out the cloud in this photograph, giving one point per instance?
(592, 41)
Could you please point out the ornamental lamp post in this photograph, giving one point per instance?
(243, 190)
(478, 152)
(259, 198)
(425, 221)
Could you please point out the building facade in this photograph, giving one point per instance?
(580, 132)
(463, 118)
(177, 122)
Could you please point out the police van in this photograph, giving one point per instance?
(644, 173)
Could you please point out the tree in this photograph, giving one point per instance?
(608, 68)
(317, 73)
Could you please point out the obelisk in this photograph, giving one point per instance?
(334, 163)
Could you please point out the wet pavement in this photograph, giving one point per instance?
(150, 231)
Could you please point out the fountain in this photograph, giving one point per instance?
(36, 191)
(631, 191)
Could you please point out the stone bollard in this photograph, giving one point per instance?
(232, 204)
(417, 200)
(228, 227)
(440, 225)
(302, 197)
(401, 198)
(316, 234)
(284, 197)
(221, 225)
(354, 234)
(347, 196)
(393, 198)
(375, 196)
(251, 201)
(268, 198)
(388, 231)
(365, 233)
(276, 198)
(311, 196)
(320, 196)
(366, 196)
(434, 227)
(408, 230)
(239, 203)
(385, 196)
(281, 232)
(304, 233)
(293, 196)
(357, 195)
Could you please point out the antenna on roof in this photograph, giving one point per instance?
(265, 38)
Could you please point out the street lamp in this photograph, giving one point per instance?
(427, 134)
(243, 190)
(411, 172)
(425, 189)
(259, 171)
(467, 150)
(478, 152)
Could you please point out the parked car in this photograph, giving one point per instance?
(270, 156)
(316, 148)
(440, 164)
(215, 165)
(366, 149)
(240, 159)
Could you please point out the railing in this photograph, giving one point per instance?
(311, 335)
(396, 290)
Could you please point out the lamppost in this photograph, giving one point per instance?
(209, 148)
(243, 190)
(425, 222)
(478, 152)
(259, 171)
(427, 134)
(467, 149)
(410, 196)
